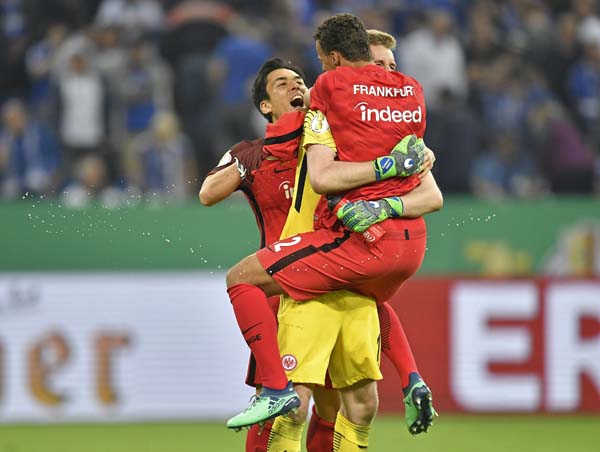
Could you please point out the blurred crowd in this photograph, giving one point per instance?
(107, 99)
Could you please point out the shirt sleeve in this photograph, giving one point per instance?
(317, 131)
(320, 94)
(247, 153)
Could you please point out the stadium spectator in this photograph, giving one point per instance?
(131, 15)
(564, 157)
(504, 96)
(110, 60)
(561, 57)
(90, 185)
(235, 61)
(40, 61)
(454, 132)
(433, 54)
(194, 29)
(13, 44)
(162, 162)
(584, 81)
(146, 87)
(507, 169)
(29, 154)
(110, 56)
(82, 106)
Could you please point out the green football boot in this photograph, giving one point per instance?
(269, 404)
(418, 407)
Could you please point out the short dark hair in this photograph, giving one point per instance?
(259, 89)
(344, 33)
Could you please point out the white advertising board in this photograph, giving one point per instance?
(119, 346)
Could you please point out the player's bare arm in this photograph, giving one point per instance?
(423, 199)
(332, 176)
(328, 175)
(428, 163)
(360, 215)
(218, 186)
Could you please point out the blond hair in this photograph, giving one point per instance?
(381, 38)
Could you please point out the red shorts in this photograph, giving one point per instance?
(311, 264)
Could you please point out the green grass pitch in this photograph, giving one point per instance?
(451, 433)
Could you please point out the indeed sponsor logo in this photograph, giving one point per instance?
(387, 114)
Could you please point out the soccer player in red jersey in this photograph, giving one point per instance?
(332, 258)
(264, 169)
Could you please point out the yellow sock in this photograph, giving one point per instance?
(349, 437)
(285, 435)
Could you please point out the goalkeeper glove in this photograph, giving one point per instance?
(406, 159)
(358, 216)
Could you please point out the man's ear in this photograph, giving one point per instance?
(265, 107)
(335, 58)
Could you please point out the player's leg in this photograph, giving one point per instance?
(286, 433)
(255, 319)
(355, 358)
(307, 333)
(394, 345)
(319, 435)
(257, 437)
(353, 422)
(259, 328)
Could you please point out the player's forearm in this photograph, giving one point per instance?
(219, 185)
(425, 198)
(332, 176)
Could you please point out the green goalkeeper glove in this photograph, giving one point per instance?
(358, 216)
(406, 159)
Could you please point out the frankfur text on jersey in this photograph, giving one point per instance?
(384, 91)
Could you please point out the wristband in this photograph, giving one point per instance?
(395, 206)
(385, 167)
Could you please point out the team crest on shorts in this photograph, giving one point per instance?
(289, 362)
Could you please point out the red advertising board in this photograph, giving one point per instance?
(520, 345)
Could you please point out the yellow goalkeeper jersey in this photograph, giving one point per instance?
(304, 202)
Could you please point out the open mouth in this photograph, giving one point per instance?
(297, 101)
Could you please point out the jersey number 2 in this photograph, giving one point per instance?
(291, 242)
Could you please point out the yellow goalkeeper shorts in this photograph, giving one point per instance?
(338, 331)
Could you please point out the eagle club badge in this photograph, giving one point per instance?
(289, 362)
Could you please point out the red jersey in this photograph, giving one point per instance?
(271, 166)
(369, 110)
